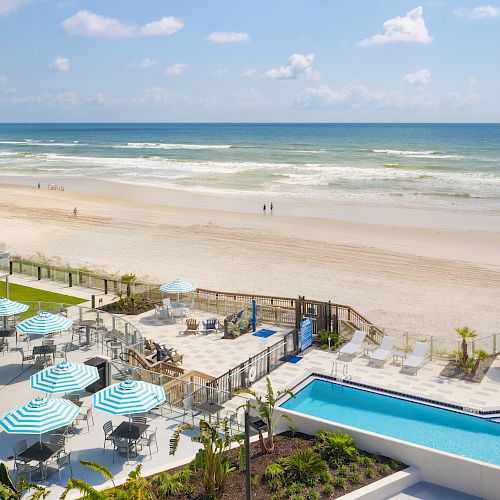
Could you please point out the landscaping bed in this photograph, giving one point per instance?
(118, 307)
(363, 469)
(454, 370)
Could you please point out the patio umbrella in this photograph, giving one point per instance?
(64, 377)
(178, 286)
(129, 397)
(44, 323)
(9, 308)
(38, 416)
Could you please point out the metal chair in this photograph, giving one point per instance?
(50, 342)
(59, 439)
(108, 429)
(148, 441)
(25, 470)
(62, 461)
(74, 398)
(139, 419)
(26, 357)
(123, 447)
(85, 417)
(19, 448)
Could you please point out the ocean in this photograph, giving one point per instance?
(418, 165)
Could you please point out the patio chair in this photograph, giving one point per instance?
(61, 461)
(233, 421)
(108, 429)
(19, 448)
(26, 357)
(123, 447)
(25, 470)
(417, 358)
(210, 325)
(148, 441)
(354, 345)
(379, 355)
(166, 302)
(191, 326)
(139, 419)
(74, 398)
(4, 345)
(85, 416)
(59, 439)
(50, 342)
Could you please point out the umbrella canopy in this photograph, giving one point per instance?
(178, 286)
(64, 377)
(44, 323)
(38, 416)
(129, 397)
(9, 307)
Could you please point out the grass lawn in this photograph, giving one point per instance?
(23, 293)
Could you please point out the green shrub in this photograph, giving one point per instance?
(367, 461)
(336, 448)
(304, 467)
(353, 467)
(339, 482)
(293, 489)
(326, 476)
(297, 497)
(255, 480)
(384, 469)
(328, 490)
(342, 471)
(274, 476)
(355, 478)
(323, 336)
(370, 473)
(394, 465)
(172, 484)
(312, 494)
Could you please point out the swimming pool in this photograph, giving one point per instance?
(437, 428)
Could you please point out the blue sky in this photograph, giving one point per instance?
(274, 60)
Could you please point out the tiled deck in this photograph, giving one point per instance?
(426, 384)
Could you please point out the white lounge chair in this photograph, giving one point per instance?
(354, 345)
(417, 358)
(380, 354)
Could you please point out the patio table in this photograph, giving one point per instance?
(114, 335)
(41, 452)
(44, 350)
(131, 432)
(210, 408)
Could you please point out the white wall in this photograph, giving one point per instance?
(462, 474)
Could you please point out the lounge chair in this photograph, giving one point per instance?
(210, 325)
(163, 353)
(379, 355)
(191, 326)
(356, 343)
(417, 358)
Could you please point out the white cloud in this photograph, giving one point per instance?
(298, 65)
(481, 12)
(220, 72)
(9, 6)
(175, 69)
(61, 64)
(357, 96)
(250, 73)
(87, 23)
(98, 100)
(408, 28)
(155, 94)
(228, 37)
(147, 62)
(472, 81)
(5, 86)
(419, 77)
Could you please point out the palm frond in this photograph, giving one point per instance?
(104, 471)
(88, 491)
(174, 440)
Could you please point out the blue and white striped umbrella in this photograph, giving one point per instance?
(38, 416)
(64, 377)
(129, 397)
(178, 286)
(9, 307)
(44, 323)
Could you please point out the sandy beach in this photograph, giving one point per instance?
(415, 270)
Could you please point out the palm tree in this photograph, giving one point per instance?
(11, 491)
(465, 333)
(128, 279)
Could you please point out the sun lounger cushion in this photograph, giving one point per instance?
(355, 343)
(384, 350)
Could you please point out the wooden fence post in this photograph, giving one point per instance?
(39, 271)
(268, 360)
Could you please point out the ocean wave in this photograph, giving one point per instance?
(402, 153)
(161, 145)
(32, 142)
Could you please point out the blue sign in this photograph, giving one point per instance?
(306, 334)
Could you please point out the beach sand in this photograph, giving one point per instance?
(417, 270)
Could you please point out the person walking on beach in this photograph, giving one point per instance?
(75, 211)
(264, 209)
(271, 208)
(38, 185)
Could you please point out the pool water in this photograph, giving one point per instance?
(444, 430)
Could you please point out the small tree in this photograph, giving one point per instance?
(465, 333)
(212, 458)
(128, 279)
(265, 407)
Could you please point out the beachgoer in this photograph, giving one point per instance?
(264, 209)
(38, 185)
(271, 207)
(75, 211)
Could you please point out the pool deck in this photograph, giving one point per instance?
(427, 383)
